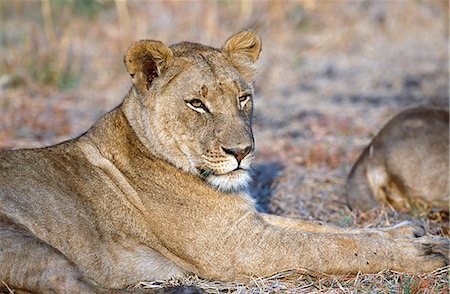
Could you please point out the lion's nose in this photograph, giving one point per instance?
(238, 153)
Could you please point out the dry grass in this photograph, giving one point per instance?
(330, 74)
(307, 282)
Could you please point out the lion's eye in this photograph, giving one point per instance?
(244, 99)
(197, 105)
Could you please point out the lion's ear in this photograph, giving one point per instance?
(145, 60)
(245, 43)
(243, 49)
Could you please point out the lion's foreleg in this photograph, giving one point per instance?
(255, 248)
(404, 229)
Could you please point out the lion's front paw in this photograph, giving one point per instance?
(405, 229)
(434, 253)
(421, 255)
(438, 247)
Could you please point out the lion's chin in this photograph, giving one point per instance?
(234, 181)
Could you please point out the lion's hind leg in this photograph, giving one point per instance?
(30, 264)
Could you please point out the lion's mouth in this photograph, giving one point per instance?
(208, 172)
(232, 181)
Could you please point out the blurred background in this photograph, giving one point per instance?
(331, 73)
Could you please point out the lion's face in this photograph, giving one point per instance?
(198, 105)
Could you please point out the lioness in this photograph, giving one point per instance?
(156, 189)
(407, 162)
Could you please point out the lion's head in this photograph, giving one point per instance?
(195, 105)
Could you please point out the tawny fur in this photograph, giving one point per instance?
(151, 192)
(406, 165)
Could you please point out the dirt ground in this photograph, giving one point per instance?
(331, 73)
